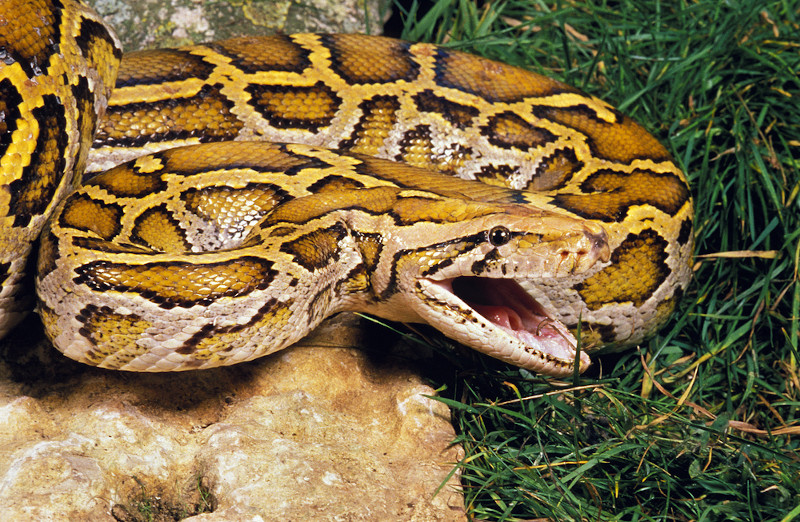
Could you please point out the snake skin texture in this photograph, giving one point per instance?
(261, 184)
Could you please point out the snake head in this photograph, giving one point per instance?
(466, 286)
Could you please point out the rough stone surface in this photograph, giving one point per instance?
(158, 23)
(323, 431)
(320, 431)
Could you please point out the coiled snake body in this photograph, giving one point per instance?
(243, 240)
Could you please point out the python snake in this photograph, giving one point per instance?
(262, 184)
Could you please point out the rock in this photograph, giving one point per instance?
(320, 431)
(323, 431)
(157, 23)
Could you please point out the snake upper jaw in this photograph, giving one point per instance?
(497, 317)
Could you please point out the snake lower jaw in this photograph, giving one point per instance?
(521, 331)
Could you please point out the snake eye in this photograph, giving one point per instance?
(499, 236)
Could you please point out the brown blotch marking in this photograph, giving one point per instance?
(157, 228)
(5, 272)
(281, 231)
(31, 33)
(157, 66)
(334, 183)
(555, 170)
(106, 329)
(293, 107)
(136, 124)
(213, 342)
(32, 192)
(378, 117)
(320, 304)
(609, 194)
(496, 175)
(87, 120)
(686, 231)
(638, 267)
(461, 116)
(492, 81)
(81, 212)
(183, 284)
(101, 245)
(10, 101)
(98, 47)
(125, 181)
(416, 148)
(622, 140)
(359, 59)
(370, 245)
(254, 54)
(318, 249)
(232, 208)
(48, 255)
(509, 130)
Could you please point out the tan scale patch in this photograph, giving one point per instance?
(176, 118)
(637, 269)
(171, 284)
(84, 213)
(156, 66)
(127, 182)
(228, 156)
(609, 194)
(378, 200)
(360, 59)
(30, 31)
(621, 141)
(295, 107)
(411, 210)
(157, 229)
(493, 81)
(254, 54)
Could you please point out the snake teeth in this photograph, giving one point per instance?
(504, 303)
(521, 331)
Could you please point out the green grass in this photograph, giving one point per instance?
(701, 423)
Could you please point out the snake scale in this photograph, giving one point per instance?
(261, 184)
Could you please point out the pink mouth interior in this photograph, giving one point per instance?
(504, 303)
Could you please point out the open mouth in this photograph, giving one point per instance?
(543, 343)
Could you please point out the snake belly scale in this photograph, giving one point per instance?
(265, 183)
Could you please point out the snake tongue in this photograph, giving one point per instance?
(505, 304)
